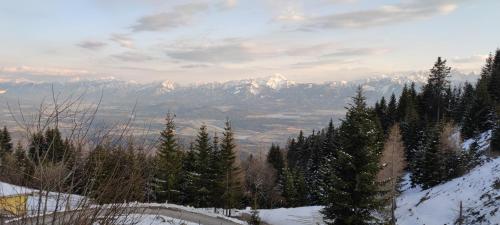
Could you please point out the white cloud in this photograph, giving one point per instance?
(91, 45)
(470, 59)
(122, 40)
(291, 14)
(179, 16)
(386, 14)
(52, 71)
(132, 57)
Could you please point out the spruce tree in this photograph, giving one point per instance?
(189, 179)
(404, 98)
(56, 149)
(494, 81)
(203, 149)
(217, 174)
(38, 148)
(435, 92)
(231, 170)
(169, 164)
(5, 142)
(495, 139)
(392, 111)
(353, 197)
(275, 158)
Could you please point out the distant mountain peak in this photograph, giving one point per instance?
(278, 81)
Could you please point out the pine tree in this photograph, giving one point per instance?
(189, 179)
(495, 139)
(56, 149)
(23, 164)
(295, 151)
(231, 170)
(217, 174)
(38, 148)
(404, 98)
(435, 92)
(381, 112)
(392, 111)
(494, 81)
(169, 164)
(275, 158)
(289, 190)
(432, 159)
(353, 196)
(5, 142)
(203, 150)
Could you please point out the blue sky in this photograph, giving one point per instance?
(201, 41)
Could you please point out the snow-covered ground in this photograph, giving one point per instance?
(479, 192)
(49, 202)
(139, 219)
(291, 216)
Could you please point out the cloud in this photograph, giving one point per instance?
(91, 45)
(291, 14)
(228, 51)
(132, 57)
(43, 71)
(349, 52)
(122, 40)
(386, 14)
(470, 59)
(195, 66)
(227, 4)
(180, 15)
(322, 62)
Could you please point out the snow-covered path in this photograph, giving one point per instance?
(183, 215)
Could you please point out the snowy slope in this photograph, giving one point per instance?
(479, 192)
(49, 200)
(291, 216)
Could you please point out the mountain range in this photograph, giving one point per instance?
(262, 110)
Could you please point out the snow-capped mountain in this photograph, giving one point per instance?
(263, 109)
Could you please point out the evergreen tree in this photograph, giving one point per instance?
(189, 178)
(217, 188)
(434, 94)
(231, 170)
(495, 139)
(23, 164)
(404, 98)
(275, 158)
(289, 190)
(295, 154)
(56, 150)
(494, 80)
(429, 168)
(381, 112)
(5, 142)
(392, 111)
(353, 196)
(38, 148)
(169, 164)
(203, 150)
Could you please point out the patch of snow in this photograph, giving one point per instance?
(309, 215)
(478, 191)
(483, 141)
(139, 219)
(49, 202)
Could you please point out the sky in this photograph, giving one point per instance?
(191, 41)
